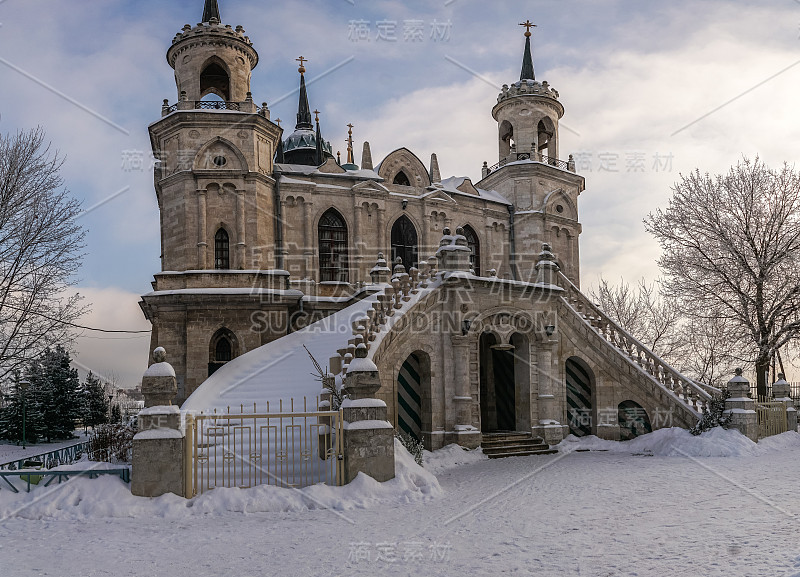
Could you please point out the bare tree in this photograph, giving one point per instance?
(640, 311)
(731, 245)
(40, 251)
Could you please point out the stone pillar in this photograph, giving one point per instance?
(308, 241)
(466, 435)
(241, 216)
(453, 253)
(202, 232)
(368, 435)
(548, 426)
(741, 407)
(355, 275)
(381, 238)
(380, 273)
(159, 385)
(782, 392)
(158, 465)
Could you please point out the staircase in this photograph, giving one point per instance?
(512, 444)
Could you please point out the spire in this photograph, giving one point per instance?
(366, 157)
(436, 175)
(320, 151)
(303, 110)
(211, 10)
(350, 159)
(527, 59)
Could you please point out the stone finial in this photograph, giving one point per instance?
(380, 273)
(399, 269)
(366, 157)
(436, 175)
(453, 254)
(546, 266)
(159, 385)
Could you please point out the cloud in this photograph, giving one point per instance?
(122, 356)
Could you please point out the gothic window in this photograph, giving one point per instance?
(332, 247)
(222, 349)
(475, 246)
(404, 242)
(222, 251)
(215, 80)
(402, 179)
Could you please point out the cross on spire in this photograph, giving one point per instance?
(528, 25)
(316, 115)
(301, 60)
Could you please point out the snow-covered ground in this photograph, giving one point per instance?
(660, 505)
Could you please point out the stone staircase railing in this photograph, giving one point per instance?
(692, 394)
(401, 289)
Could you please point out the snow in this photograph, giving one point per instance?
(370, 424)
(362, 403)
(159, 433)
(160, 370)
(160, 410)
(361, 366)
(610, 513)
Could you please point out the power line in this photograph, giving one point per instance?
(49, 318)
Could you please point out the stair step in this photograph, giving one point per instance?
(492, 442)
(514, 448)
(522, 453)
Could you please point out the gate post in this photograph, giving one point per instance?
(782, 392)
(741, 407)
(368, 437)
(158, 453)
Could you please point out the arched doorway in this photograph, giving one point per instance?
(413, 397)
(498, 385)
(404, 242)
(633, 421)
(580, 380)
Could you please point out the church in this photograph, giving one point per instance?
(464, 294)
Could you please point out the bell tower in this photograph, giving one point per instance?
(542, 188)
(215, 188)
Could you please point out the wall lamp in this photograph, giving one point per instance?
(405, 203)
(465, 326)
(549, 330)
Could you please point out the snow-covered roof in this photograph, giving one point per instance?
(281, 369)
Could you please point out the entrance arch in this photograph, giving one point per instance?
(633, 420)
(413, 397)
(498, 385)
(580, 409)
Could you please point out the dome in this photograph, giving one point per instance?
(303, 138)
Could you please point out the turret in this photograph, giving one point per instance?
(301, 147)
(527, 114)
(212, 58)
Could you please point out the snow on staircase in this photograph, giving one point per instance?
(691, 394)
(513, 444)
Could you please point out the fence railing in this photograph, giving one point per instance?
(552, 161)
(286, 449)
(795, 392)
(50, 459)
(771, 418)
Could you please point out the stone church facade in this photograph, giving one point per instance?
(263, 232)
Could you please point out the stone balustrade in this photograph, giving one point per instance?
(689, 392)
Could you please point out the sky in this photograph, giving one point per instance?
(651, 90)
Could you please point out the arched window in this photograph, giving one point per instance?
(332, 247)
(475, 246)
(404, 242)
(222, 348)
(222, 259)
(545, 132)
(215, 79)
(401, 178)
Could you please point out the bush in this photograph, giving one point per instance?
(412, 445)
(714, 414)
(112, 443)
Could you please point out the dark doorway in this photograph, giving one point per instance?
(497, 386)
(633, 421)
(404, 242)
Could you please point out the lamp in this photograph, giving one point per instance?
(405, 203)
(549, 330)
(465, 326)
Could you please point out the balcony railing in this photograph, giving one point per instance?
(568, 165)
(248, 106)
